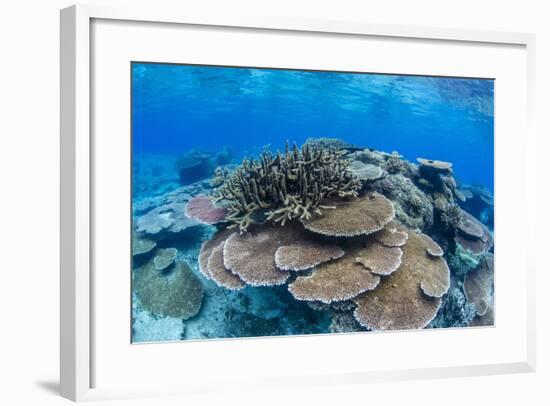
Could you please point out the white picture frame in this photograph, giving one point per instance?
(77, 213)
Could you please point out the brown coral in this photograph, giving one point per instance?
(176, 294)
(391, 237)
(478, 285)
(379, 259)
(347, 277)
(219, 273)
(305, 254)
(335, 281)
(410, 297)
(432, 248)
(251, 255)
(364, 215)
(207, 248)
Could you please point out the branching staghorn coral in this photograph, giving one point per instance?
(286, 186)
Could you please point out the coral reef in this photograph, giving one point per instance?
(177, 293)
(203, 209)
(282, 187)
(339, 239)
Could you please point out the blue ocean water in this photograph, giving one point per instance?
(179, 107)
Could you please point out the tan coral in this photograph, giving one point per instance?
(410, 297)
(432, 248)
(305, 254)
(391, 237)
(334, 281)
(251, 255)
(478, 285)
(348, 218)
(379, 259)
(349, 276)
(219, 273)
(207, 248)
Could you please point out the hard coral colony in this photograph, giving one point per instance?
(283, 187)
(350, 232)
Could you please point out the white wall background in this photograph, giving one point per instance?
(29, 187)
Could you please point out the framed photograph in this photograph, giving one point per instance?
(260, 202)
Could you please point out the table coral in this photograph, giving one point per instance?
(435, 165)
(335, 281)
(305, 255)
(344, 278)
(219, 273)
(251, 255)
(364, 215)
(206, 250)
(410, 297)
(390, 236)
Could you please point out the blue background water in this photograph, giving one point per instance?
(179, 107)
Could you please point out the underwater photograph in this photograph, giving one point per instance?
(277, 202)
